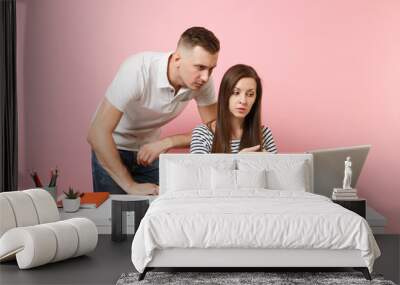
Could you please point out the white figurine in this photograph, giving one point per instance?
(347, 174)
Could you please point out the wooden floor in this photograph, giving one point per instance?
(111, 259)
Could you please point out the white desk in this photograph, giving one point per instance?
(101, 216)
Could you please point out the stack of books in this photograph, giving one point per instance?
(344, 194)
(91, 200)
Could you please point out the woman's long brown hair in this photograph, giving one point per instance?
(252, 123)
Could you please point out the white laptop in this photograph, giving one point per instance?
(329, 167)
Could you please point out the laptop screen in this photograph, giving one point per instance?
(329, 167)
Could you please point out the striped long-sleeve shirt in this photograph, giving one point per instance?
(202, 140)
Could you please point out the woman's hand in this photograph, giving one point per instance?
(251, 149)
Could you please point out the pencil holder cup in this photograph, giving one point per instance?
(52, 191)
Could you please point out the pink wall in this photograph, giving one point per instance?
(330, 71)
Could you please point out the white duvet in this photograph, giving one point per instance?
(251, 218)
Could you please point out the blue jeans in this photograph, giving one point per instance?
(102, 181)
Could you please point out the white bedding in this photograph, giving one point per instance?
(250, 218)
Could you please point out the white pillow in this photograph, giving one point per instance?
(228, 179)
(288, 179)
(251, 178)
(183, 176)
(281, 174)
(223, 179)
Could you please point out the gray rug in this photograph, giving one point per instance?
(229, 278)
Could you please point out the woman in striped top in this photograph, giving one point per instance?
(238, 125)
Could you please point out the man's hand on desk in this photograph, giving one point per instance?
(143, 189)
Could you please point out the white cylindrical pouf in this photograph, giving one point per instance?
(45, 206)
(36, 244)
(24, 210)
(67, 239)
(7, 218)
(87, 234)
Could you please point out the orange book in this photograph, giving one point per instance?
(93, 199)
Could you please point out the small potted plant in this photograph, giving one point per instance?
(72, 200)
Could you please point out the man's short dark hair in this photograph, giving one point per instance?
(199, 36)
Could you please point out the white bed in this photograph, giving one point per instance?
(247, 210)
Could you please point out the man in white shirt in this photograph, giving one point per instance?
(149, 90)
